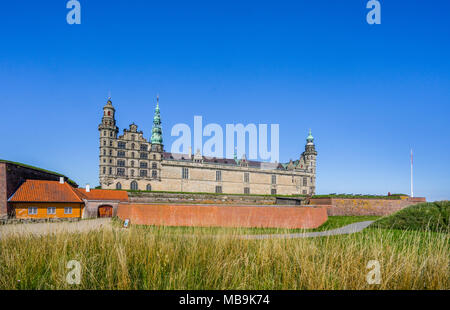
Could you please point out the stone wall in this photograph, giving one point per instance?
(153, 197)
(223, 215)
(379, 207)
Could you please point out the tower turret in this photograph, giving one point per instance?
(108, 134)
(309, 158)
(157, 139)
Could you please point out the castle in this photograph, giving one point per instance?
(129, 161)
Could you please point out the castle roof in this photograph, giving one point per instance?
(222, 161)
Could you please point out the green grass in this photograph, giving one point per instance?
(356, 196)
(434, 216)
(332, 223)
(138, 259)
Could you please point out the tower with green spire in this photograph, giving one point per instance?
(157, 139)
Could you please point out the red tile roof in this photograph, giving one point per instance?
(45, 191)
(103, 194)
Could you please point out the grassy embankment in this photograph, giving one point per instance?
(161, 258)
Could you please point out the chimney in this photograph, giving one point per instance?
(61, 180)
(88, 188)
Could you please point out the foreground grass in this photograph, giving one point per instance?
(137, 258)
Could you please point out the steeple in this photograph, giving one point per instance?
(310, 138)
(310, 148)
(157, 131)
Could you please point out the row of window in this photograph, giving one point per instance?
(50, 210)
(134, 186)
(122, 154)
(144, 165)
(121, 172)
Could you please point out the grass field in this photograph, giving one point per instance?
(168, 258)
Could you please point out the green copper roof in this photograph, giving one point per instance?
(157, 131)
(310, 138)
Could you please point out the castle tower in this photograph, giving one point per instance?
(157, 140)
(310, 155)
(108, 134)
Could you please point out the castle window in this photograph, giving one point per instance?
(132, 163)
(132, 172)
(154, 166)
(121, 145)
(110, 161)
(143, 164)
(133, 137)
(104, 160)
(143, 147)
(121, 171)
(305, 181)
(104, 142)
(104, 133)
(110, 170)
(132, 146)
(144, 155)
(273, 191)
(104, 152)
(247, 190)
(110, 143)
(109, 113)
(104, 170)
(120, 154)
(143, 173)
(110, 134)
(149, 187)
(154, 157)
(134, 186)
(121, 163)
(185, 173)
(218, 189)
(274, 179)
(218, 175)
(118, 186)
(246, 177)
(154, 174)
(110, 152)
(132, 154)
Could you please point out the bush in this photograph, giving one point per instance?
(432, 216)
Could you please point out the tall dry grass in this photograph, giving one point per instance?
(140, 258)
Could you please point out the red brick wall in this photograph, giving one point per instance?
(223, 216)
(380, 207)
(3, 192)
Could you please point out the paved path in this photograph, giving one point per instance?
(49, 228)
(349, 229)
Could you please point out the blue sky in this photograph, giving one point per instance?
(369, 92)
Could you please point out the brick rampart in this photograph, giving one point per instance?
(223, 215)
(359, 206)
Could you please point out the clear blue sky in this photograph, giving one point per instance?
(369, 92)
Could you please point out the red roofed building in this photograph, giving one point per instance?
(52, 199)
(101, 202)
(46, 199)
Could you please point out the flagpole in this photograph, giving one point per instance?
(412, 190)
